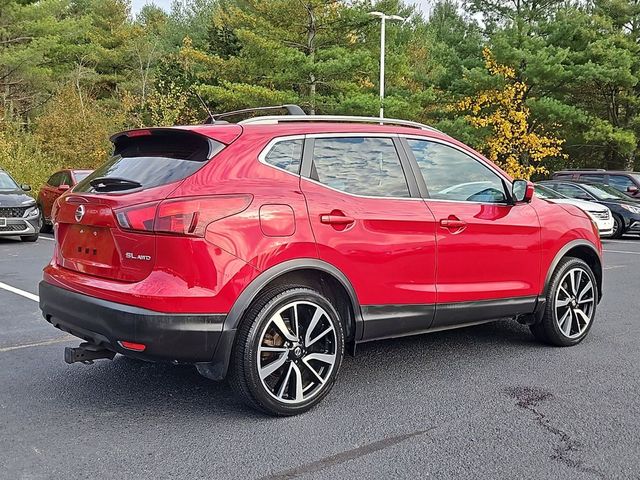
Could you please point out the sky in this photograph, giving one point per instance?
(166, 4)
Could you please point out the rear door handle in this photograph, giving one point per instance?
(451, 223)
(336, 219)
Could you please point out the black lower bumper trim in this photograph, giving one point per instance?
(183, 338)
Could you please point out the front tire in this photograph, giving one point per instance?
(288, 351)
(618, 226)
(570, 306)
(44, 226)
(29, 238)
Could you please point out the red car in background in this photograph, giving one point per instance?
(58, 183)
(262, 251)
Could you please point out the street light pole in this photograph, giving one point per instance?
(383, 19)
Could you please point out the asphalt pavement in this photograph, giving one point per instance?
(479, 402)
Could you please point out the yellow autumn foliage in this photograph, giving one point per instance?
(512, 144)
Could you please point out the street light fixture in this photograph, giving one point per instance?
(383, 18)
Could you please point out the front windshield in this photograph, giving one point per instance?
(547, 193)
(604, 192)
(6, 182)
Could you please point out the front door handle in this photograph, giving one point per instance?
(332, 219)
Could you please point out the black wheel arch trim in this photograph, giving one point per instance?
(563, 253)
(217, 368)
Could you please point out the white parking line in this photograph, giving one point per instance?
(622, 251)
(628, 242)
(611, 267)
(17, 291)
(47, 238)
(38, 344)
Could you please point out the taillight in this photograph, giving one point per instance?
(139, 217)
(181, 216)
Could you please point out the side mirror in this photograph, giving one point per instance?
(632, 189)
(522, 191)
(25, 187)
(64, 188)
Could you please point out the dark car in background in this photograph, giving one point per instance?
(19, 214)
(58, 183)
(626, 182)
(625, 210)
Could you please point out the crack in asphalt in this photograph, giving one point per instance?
(343, 457)
(528, 399)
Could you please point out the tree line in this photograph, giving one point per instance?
(535, 85)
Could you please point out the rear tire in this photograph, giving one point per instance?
(618, 226)
(29, 238)
(570, 305)
(288, 372)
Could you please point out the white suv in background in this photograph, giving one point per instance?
(600, 214)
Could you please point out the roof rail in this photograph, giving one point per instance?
(275, 119)
(581, 170)
(290, 108)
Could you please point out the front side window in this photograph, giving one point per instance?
(286, 155)
(55, 179)
(367, 166)
(453, 175)
(604, 192)
(65, 179)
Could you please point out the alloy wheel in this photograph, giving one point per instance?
(297, 352)
(574, 303)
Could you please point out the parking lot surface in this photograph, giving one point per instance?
(479, 402)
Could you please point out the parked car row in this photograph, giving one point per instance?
(624, 209)
(21, 215)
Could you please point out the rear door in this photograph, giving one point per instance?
(370, 223)
(105, 228)
(488, 250)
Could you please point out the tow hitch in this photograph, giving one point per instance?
(86, 353)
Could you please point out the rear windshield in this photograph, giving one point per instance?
(547, 193)
(154, 159)
(81, 174)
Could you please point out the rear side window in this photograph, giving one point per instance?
(592, 177)
(157, 159)
(367, 166)
(286, 154)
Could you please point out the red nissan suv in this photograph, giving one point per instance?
(261, 251)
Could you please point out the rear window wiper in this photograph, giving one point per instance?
(113, 184)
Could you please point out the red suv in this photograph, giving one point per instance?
(262, 250)
(58, 183)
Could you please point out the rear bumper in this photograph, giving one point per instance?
(181, 338)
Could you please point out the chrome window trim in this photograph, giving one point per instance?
(360, 196)
(489, 167)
